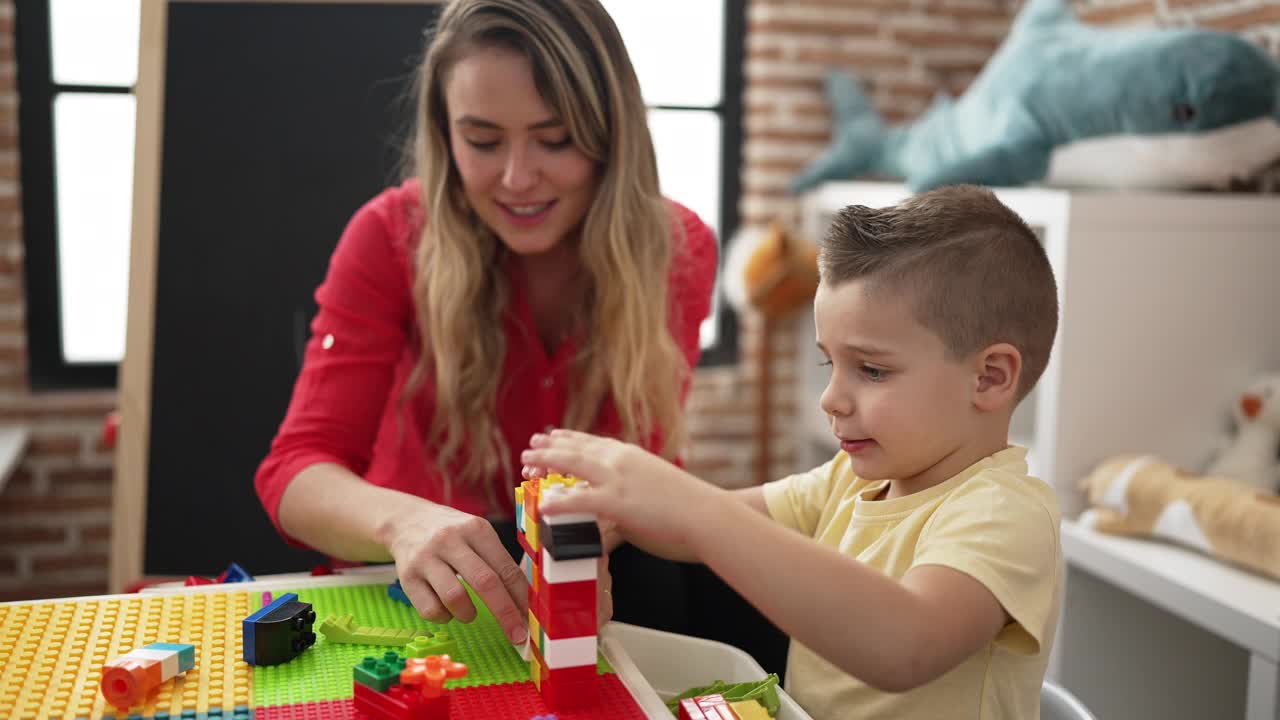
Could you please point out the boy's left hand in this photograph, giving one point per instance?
(636, 489)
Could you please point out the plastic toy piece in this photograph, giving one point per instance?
(234, 574)
(399, 702)
(266, 598)
(764, 692)
(195, 580)
(396, 688)
(344, 630)
(429, 674)
(715, 707)
(560, 564)
(278, 632)
(379, 674)
(570, 540)
(396, 592)
(128, 679)
(426, 645)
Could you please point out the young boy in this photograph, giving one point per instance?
(918, 572)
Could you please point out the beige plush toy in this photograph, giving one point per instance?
(1143, 496)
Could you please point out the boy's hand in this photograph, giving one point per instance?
(639, 491)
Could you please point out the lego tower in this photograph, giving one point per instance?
(560, 562)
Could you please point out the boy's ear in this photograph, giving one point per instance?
(999, 370)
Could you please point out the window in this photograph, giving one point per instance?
(690, 72)
(77, 63)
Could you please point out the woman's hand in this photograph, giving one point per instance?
(634, 489)
(433, 545)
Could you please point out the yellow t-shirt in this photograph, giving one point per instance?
(992, 522)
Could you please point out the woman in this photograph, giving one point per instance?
(529, 275)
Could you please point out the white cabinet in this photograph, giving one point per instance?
(1170, 304)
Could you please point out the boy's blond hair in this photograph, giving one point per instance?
(974, 272)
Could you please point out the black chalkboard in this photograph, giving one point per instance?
(280, 120)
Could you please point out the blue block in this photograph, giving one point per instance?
(396, 592)
(278, 632)
(186, 653)
(234, 574)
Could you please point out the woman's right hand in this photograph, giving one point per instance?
(433, 545)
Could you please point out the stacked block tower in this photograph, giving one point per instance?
(560, 562)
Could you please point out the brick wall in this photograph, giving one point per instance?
(905, 51)
(54, 512)
(55, 509)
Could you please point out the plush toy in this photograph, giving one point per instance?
(1252, 456)
(770, 270)
(1146, 497)
(1055, 81)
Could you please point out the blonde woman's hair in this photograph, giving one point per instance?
(627, 353)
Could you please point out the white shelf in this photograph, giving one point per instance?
(1233, 603)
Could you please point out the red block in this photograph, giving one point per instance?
(524, 543)
(562, 696)
(566, 610)
(399, 703)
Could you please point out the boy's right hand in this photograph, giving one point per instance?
(435, 545)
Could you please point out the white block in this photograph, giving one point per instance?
(570, 652)
(564, 571)
(560, 491)
(526, 564)
(168, 660)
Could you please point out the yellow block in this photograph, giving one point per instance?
(531, 534)
(749, 710)
(59, 648)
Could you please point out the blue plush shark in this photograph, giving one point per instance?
(1053, 81)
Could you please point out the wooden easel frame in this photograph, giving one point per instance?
(129, 497)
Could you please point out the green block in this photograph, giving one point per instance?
(763, 691)
(380, 673)
(344, 630)
(439, 644)
(325, 671)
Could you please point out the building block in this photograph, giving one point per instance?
(398, 703)
(563, 571)
(715, 707)
(234, 574)
(750, 710)
(128, 679)
(326, 674)
(568, 652)
(425, 645)
(561, 557)
(763, 692)
(395, 591)
(429, 673)
(379, 673)
(564, 696)
(278, 632)
(344, 630)
(567, 609)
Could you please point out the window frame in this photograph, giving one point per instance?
(724, 351)
(47, 366)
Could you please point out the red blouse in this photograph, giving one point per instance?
(346, 405)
